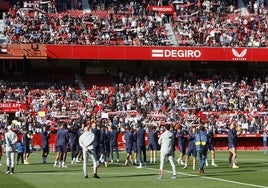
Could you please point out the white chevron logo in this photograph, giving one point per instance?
(239, 56)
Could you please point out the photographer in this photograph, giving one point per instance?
(201, 147)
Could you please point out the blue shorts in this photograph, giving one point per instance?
(26, 149)
(129, 150)
(210, 147)
(45, 149)
(231, 145)
(75, 147)
(152, 147)
(182, 149)
(134, 148)
(61, 148)
(102, 149)
(191, 151)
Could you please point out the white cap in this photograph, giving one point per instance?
(9, 127)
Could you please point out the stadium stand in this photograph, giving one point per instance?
(207, 23)
(58, 91)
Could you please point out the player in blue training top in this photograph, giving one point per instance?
(134, 148)
(62, 139)
(26, 140)
(152, 143)
(104, 144)
(129, 139)
(232, 141)
(45, 143)
(191, 150)
(74, 144)
(210, 134)
(180, 135)
(113, 143)
(141, 145)
(97, 139)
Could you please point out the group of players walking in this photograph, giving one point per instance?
(100, 143)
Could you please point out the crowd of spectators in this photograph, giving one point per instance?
(115, 26)
(153, 97)
(214, 23)
(219, 24)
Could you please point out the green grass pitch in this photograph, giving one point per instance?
(253, 172)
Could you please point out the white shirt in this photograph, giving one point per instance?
(86, 140)
(11, 139)
(166, 141)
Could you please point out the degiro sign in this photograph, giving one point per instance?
(176, 53)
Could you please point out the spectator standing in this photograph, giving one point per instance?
(232, 141)
(201, 147)
(10, 140)
(45, 143)
(152, 145)
(20, 152)
(141, 145)
(61, 146)
(86, 142)
(166, 142)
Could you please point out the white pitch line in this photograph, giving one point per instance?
(185, 174)
(73, 173)
(235, 182)
(217, 179)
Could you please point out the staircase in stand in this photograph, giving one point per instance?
(85, 6)
(171, 35)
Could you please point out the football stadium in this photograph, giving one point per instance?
(126, 65)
